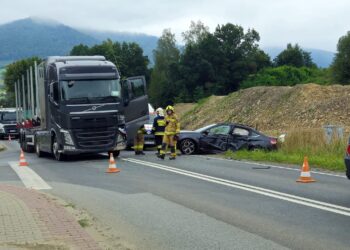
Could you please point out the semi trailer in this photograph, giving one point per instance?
(78, 104)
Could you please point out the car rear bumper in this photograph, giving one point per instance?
(347, 165)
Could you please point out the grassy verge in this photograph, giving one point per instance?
(2, 148)
(311, 143)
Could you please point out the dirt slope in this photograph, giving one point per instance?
(275, 108)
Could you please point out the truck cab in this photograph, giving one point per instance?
(8, 123)
(82, 107)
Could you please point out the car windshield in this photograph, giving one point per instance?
(86, 91)
(8, 116)
(151, 118)
(200, 130)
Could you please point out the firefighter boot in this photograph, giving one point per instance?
(173, 153)
(162, 151)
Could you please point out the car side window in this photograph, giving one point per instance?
(219, 130)
(240, 131)
(254, 134)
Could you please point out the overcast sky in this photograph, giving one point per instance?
(311, 23)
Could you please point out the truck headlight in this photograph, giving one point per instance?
(121, 119)
(67, 138)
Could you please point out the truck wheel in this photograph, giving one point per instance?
(24, 146)
(115, 153)
(55, 150)
(38, 152)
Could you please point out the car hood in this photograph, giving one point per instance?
(187, 131)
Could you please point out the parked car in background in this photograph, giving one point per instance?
(347, 160)
(8, 125)
(217, 138)
(149, 137)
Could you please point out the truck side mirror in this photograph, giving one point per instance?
(125, 92)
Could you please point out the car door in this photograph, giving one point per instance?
(135, 104)
(239, 138)
(215, 138)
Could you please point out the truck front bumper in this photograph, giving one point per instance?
(7, 135)
(71, 150)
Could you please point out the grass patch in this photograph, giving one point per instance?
(311, 143)
(84, 223)
(70, 205)
(2, 147)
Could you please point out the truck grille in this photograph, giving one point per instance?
(10, 129)
(96, 138)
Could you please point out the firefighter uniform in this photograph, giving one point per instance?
(172, 129)
(139, 141)
(159, 128)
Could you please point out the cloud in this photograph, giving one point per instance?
(313, 23)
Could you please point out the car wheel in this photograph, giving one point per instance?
(55, 150)
(188, 146)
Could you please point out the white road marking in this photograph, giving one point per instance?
(268, 165)
(254, 189)
(29, 178)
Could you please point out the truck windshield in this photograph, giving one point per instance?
(8, 116)
(87, 91)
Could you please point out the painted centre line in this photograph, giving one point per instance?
(29, 178)
(250, 188)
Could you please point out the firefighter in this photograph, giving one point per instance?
(139, 141)
(172, 130)
(158, 128)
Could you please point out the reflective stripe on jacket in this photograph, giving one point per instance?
(159, 125)
(172, 125)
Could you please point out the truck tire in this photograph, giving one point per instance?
(55, 150)
(38, 152)
(115, 153)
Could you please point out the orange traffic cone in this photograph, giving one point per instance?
(305, 176)
(22, 160)
(112, 165)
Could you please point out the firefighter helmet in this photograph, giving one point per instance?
(169, 108)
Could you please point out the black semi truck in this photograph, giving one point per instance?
(73, 105)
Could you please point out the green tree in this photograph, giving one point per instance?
(197, 32)
(80, 50)
(341, 64)
(14, 72)
(128, 57)
(294, 56)
(166, 57)
(216, 63)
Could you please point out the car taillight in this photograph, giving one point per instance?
(273, 141)
(348, 150)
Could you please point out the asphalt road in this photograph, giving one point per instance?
(198, 202)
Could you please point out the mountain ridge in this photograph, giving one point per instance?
(36, 36)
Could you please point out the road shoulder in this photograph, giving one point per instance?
(34, 220)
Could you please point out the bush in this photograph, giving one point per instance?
(287, 76)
